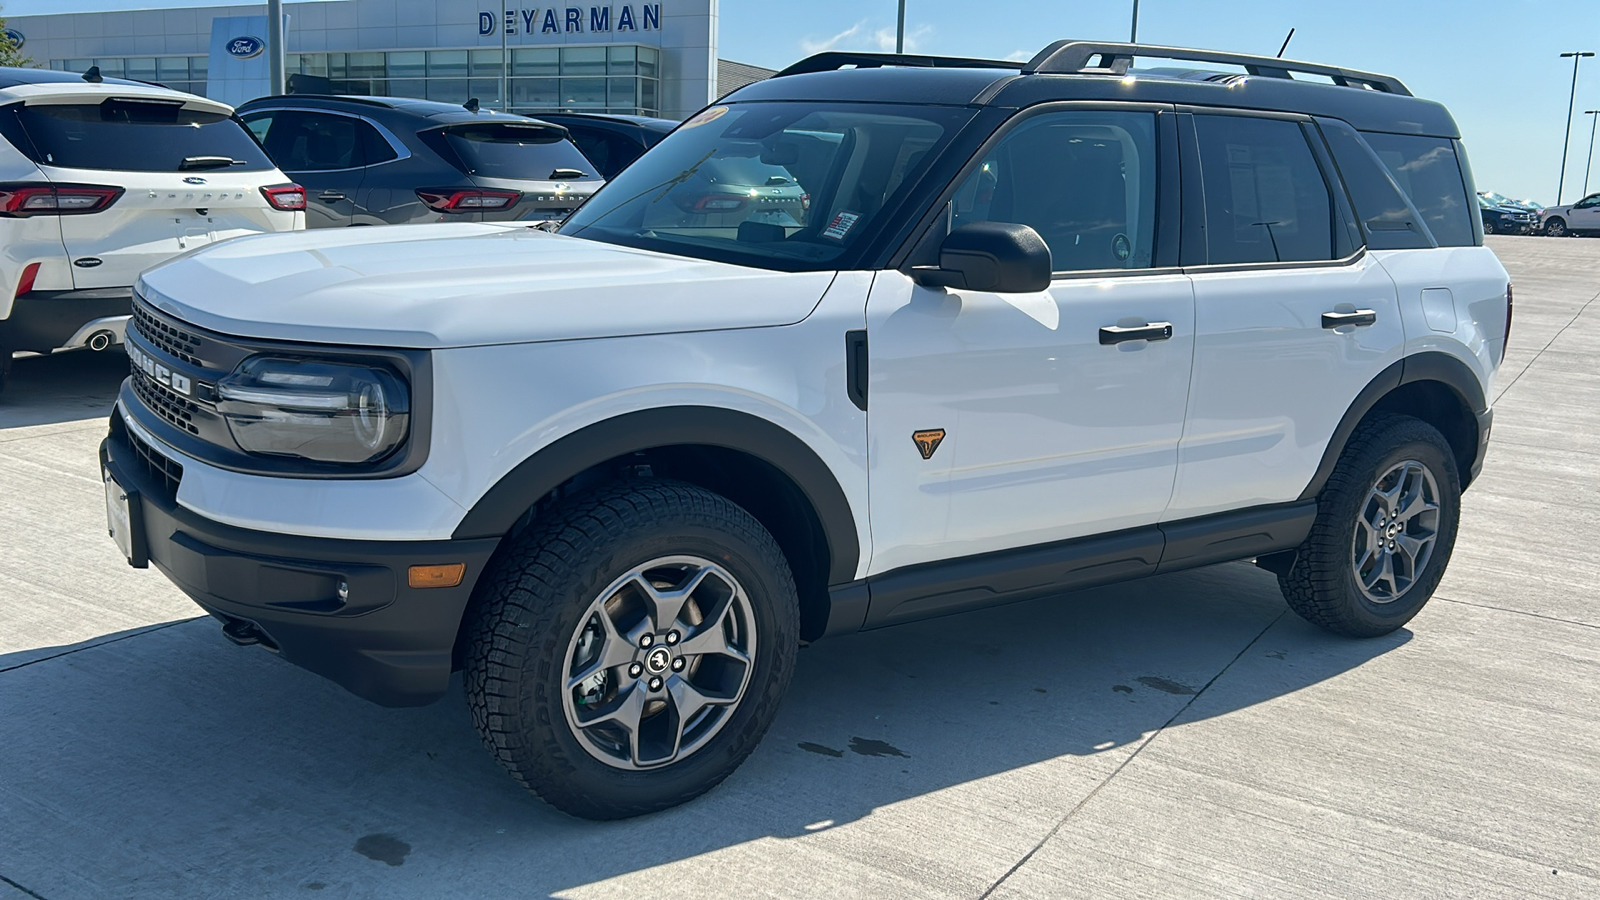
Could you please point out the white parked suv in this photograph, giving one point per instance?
(102, 178)
(1581, 218)
(1035, 327)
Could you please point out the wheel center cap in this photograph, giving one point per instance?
(1393, 530)
(658, 660)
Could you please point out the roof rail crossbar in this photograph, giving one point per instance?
(1095, 57)
(839, 59)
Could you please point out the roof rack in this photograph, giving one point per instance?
(1075, 57)
(839, 59)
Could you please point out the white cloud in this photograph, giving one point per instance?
(1020, 55)
(858, 37)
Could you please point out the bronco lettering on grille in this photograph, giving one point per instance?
(159, 373)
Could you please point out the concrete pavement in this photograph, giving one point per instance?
(1180, 736)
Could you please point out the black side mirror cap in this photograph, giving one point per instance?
(1001, 257)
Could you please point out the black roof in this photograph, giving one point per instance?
(1062, 71)
(649, 123)
(12, 77)
(433, 110)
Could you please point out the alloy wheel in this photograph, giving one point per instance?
(1396, 531)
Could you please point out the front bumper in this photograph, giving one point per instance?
(383, 640)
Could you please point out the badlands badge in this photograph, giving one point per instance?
(928, 441)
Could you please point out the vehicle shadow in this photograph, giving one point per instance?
(174, 763)
(64, 387)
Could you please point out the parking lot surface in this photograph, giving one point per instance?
(1179, 736)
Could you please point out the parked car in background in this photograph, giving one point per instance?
(101, 178)
(1581, 218)
(391, 160)
(1501, 200)
(612, 142)
(1499, 219)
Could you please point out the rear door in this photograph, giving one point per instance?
(1292, 317)
(324, 152)
(187, 173)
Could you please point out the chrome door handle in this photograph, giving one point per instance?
(1155, 331)
(330, 196)
(1340, 319)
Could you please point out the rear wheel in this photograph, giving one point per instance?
(629, 652)
(1488, 226)
(1386, 525)
(1556, 227)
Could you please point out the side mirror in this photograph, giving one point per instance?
(1002, 257)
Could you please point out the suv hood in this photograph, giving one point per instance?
(464, 284)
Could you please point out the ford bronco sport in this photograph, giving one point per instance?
(1032, 327)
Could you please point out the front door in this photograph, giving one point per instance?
(1006, 420)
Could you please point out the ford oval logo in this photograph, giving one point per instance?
(15, 37)
(194, 179)
(246, 47)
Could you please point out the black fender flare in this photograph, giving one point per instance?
(1429, 366)
(499, 509)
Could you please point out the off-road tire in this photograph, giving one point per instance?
(1321, 584)
(530, 603)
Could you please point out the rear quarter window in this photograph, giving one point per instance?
(1388, 221)
(1427, 169)
(131, 135)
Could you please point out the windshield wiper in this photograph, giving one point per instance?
(208, 162)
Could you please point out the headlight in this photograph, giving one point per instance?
(323, 411)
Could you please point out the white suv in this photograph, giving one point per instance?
(103, 178)
(1034, 327)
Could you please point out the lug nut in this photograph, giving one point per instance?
(647, 640)
(635, 670)
(677, 664)
(672, 637)
(655, 684)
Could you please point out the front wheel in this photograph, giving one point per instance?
(1556, 228)
(1488, 227)
(1385, 528)
(628, 651)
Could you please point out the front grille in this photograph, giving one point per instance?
(181, 344)
(166, 473)
(176, 410)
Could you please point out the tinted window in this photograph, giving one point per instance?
(532, 152)
(302, 141)
(1266, 199)
(1387, 221)
(131, 136)
(610, 153)
(779, 185)
(1084, 180)
(1427, 170)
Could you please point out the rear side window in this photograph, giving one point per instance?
(532, 152)
(1388, 221)
(1266, 199)
(302, 141)
(131, 135)
(1427, 170)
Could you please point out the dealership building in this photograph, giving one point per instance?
(643, 58)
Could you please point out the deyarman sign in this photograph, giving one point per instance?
(576, 20)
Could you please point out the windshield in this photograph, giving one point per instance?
(132, 135)
(786, 186)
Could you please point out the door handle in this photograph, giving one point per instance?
(1340, 319)
(330, 196)
(1155, 331)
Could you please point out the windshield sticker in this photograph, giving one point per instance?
(704, 116)
(841, 225)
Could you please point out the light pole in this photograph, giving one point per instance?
(1591, 113)
(275, 78)
(1133, 33)
(1566, 139)
(900, 30)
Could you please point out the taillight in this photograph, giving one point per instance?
(287, 197)
(30, 199)
(25, 283)
(1506, 343)
(449, 200)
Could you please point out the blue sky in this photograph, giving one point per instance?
(1492, 62)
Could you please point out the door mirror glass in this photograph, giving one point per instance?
(1002, 257)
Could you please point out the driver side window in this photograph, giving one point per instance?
(1085, 180)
